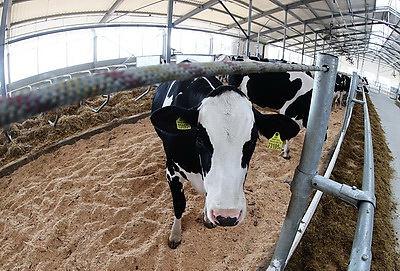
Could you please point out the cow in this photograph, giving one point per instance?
(209, 132)
(363, 82)
(287, 92)
(341, 89)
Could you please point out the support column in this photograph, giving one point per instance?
(377, 74)
(169, 31)
(284, 35)
(3, 29)
(94, 47)
(304, 42)
(315, 47)
(301, 186)
(249, 28)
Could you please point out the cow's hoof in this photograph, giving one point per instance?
(173, 244)
(209, 224)
(286, 157)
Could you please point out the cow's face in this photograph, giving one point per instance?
(225, 140)
(224, 128)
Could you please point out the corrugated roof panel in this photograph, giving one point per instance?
(43, 8)
(145, 6)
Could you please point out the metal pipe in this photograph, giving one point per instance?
(315, 46)
(249, 28)
(22, 106)
(169, 31)
(361, 255)
(350, 102)
(3, 29)
(284, 35)
(301, 185)
(318, 194)
(233, 18)
(95, 47)
(304, 41)
(349, 194)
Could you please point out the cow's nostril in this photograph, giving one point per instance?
(227, 221)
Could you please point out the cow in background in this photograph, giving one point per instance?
(342, 87)
(287, 92)
(364, 83)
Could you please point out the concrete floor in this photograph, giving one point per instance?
(389, 113)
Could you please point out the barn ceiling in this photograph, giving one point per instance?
(356, 29)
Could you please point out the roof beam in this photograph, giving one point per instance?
(111, 11)
(310, 21)
(268, 13)
(196, 11)
(15, 2)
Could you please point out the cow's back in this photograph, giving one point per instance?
(186, 94)
(272, 90)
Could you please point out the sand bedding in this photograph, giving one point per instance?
(103, 203)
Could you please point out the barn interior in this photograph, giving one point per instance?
(92, 225)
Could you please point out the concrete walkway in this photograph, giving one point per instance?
(389, 114)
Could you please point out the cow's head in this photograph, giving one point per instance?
(225, 127)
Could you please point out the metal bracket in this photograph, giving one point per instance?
(144, 93)
(107, 96)
(349, 194)
(358, 101)
(7, 134)
(56, 119)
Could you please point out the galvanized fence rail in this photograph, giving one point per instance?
(363, 199)
(20, 107)
(23, 106)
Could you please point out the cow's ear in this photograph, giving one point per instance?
(173, 120)
(269, 124)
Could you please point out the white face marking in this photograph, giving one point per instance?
(228, 120)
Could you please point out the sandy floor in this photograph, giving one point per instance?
(104, 204)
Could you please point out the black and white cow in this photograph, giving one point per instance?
(337, 92)
(287, 92)
(342, 87)
(209, 132)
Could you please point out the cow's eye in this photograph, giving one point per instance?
(199, 142)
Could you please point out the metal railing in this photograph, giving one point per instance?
(20, 107)
(305, 179)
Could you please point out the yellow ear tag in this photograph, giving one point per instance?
(275, 142)
(181, 124)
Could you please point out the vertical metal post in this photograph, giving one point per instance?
(377, 74)
(3, 29)
(211, 46)
(94, 47)
(315, 47)
(284, 35)
(304, 42)
(249, 28)
(169, 31)
(349, 102)
(301, 186)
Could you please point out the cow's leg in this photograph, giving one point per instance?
(286, 150)
(179, 203)
(207, 221)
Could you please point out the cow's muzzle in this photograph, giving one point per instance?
(225, 218)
